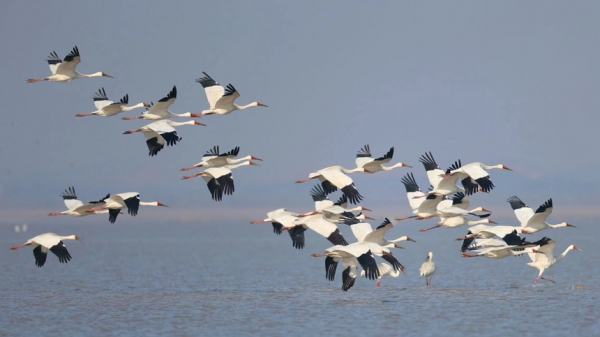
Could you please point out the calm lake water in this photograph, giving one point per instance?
(147, 279)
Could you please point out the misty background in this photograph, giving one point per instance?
(511, 83)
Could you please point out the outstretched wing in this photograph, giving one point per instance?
(213, 90)
(101, 100)
(522, 211)
(228, 98)
(67, 67)
(70, 199)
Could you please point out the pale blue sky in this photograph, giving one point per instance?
(499, 82)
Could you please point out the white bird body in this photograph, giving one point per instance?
(501, 252)
(365, 161)
(219, 180)
(129, 200)
(108, 108)
(546, 259)
(76, 207)
(457, 221)
(321, 225)
(478, 172)
(64, 70)
(533, 222)
(335, 177)
(222, 102)
(365, 233)
(159, 133)
(160, 110)
(384, 270)
(428, 269)
(213, 158)
(49, 241)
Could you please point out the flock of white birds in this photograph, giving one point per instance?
(217, 175)
(444, 199)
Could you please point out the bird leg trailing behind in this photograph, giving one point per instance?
(305, 180)
(193, 176)
(427, 229)
(131, 131)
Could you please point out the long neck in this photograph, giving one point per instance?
(485, 167)
(237, 165)
(478, 222)
(402, 238)
(187, 114)
(358, 169)
(389, 168)
(244, 107)
(563, 224)
(70, 237)
(181, 123)
(98, 74)
(129, 108)
(558, 258)
(151, 203)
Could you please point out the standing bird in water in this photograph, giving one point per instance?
(428, 269)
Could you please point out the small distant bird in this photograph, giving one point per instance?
(129, 200)
(384, 270)
(49, 241)
(221, 101)
(428, 269)
(214, 158)
(219, 180)
(64, 70)
(335, 177)
(365, 160)
(160, 110)
(547, 259)
(107, 108)
(159, 133)
(478, 173)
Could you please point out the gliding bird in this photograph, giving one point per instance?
(64, 70)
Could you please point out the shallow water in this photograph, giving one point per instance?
(184, 279)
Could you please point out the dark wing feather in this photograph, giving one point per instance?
(428, 162)
(171, 138)
(368, 263)
(154, 146)
(226, 183)
(544, 206)
(61, 251)
(515, 202)
(133, 205)
(410, 183)
(100, 95)
(172, 94)
(470, 185)
(388, 155)
(347, 280)
(328, 187)
(212, 152)
(112, 215)
(365, 152)
(74, 53)
(297, 235)
(392, 260)
(336, 238)
(317, 193)
(229, 90)
(40, 257)
(330, 267)
(206, 81)
(215, 189)
(234, 152)
(69, 194)
(352, 193)
(53, 58)
(277, 228)
(384, 223)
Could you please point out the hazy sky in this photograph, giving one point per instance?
(506, 82)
